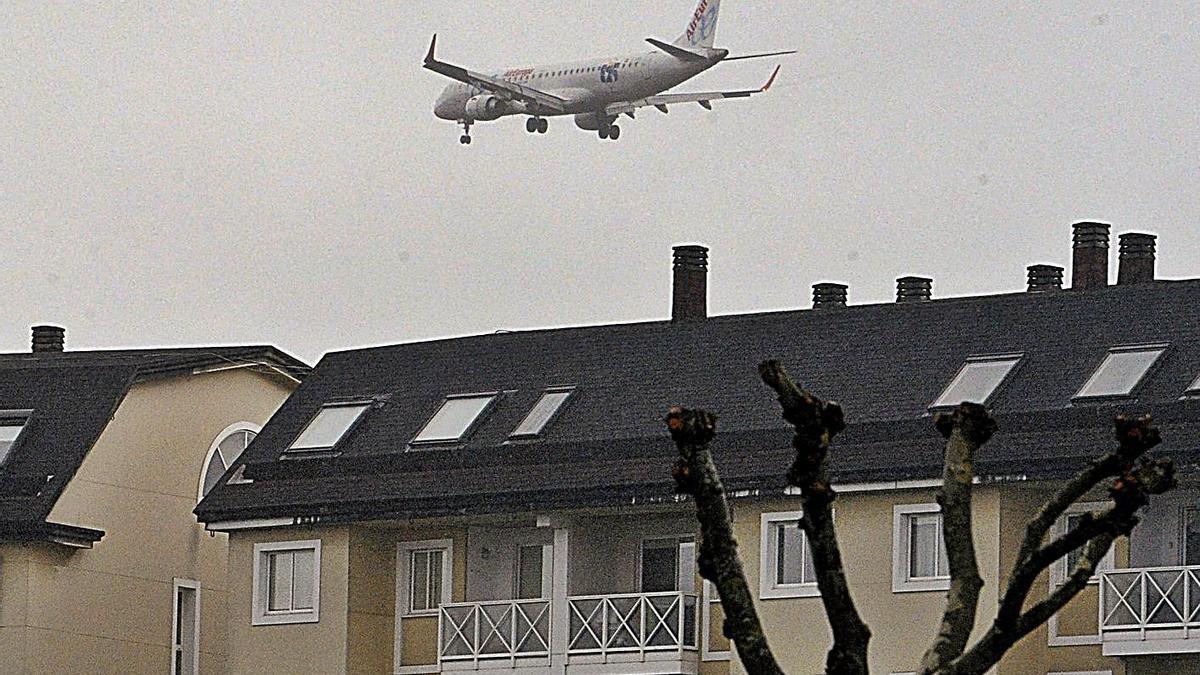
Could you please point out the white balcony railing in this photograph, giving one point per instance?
(634, 623)
(1159, 604)
(494, 632)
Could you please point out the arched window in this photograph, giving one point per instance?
(225, 450)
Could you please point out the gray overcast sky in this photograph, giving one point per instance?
(198, 173)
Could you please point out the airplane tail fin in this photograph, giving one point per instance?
(702, 26)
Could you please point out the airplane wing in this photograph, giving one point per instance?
(502, 88)
(703, 98)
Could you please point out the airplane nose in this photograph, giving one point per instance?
(444, 108)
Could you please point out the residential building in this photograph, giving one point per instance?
(103, 456)
(504, 503)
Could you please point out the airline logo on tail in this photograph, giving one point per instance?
(703, 22)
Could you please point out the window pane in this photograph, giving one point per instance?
(529, 572)
(790, 554)
(302, 579)
(1195, 388)
(453, 419)
(213, 472)
(1120, 373)
(328, 427)
(1191, 537)
(541, 413)
(976, 382)
(435, 579)
(9, 430)
(1072, 522)
(924, 532)
(279, 581)
(419, 596)
(660, 565)
(233, 445)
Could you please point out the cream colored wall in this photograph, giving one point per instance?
(290, 648)
(14, 607)
(110, 607)
(1021, 502)
(902, 624)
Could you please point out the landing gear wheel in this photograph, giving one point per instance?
(465, 140)
(532, 125)
(543, 126)
(466, 137)
(614, 132)
(604, 133)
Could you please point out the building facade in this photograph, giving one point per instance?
(504, 503)
(103, 456)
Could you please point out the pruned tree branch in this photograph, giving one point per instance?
(718, 561)
(816, 423)
(1136, 480)
(965, 430)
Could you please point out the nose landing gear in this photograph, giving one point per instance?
(536, 125)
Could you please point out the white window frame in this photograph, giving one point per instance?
(1058, 576)
(261, 593)
(212, 450)
(709, 598)
(194, 586)
(685, 560)
(293, 451)
(768, 587)
(404, 551)
(901, 531)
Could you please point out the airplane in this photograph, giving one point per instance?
(596, 91)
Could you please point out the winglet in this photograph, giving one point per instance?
(429, 58)
(772, 80)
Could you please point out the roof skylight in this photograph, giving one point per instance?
(545, 410)
(1121, 372)
(11, 426)
(327, 428)
(1194, 390)
(455, 419)
(977, 380)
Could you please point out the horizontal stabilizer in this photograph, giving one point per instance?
(759, 56)
(677, 52)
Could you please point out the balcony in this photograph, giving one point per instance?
(1150, 611)
(627, 633)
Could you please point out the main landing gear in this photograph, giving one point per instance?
(611, 132)
(536, 125)
(466, 137)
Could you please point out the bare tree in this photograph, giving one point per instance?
(816, 423)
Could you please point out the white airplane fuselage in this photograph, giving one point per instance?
(587, 87)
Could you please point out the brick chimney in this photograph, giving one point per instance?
(1045, 278)
(1137, 258)
(826, 295)
(914, 289)
(1090, 262)
(689, 298)
(48, 339)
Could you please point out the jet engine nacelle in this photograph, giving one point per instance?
(591, 121)
(486, 108)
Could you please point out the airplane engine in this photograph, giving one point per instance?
(588, 121)
(486, 108)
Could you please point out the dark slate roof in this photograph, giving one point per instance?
(885, 363)
(73, 395)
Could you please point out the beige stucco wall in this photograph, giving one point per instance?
(290, 648)
(110, 607)
(903, 624)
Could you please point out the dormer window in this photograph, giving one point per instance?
(12, 424)
(977, 381)
(327, 428)
(456, 419)
(1122, 371)
(543, 412)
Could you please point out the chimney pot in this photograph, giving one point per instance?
(827, 295)
(1090, 260)
(48, 339)
(1137, 258)
(1045, 278)
(914, 289)
(689, 301)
